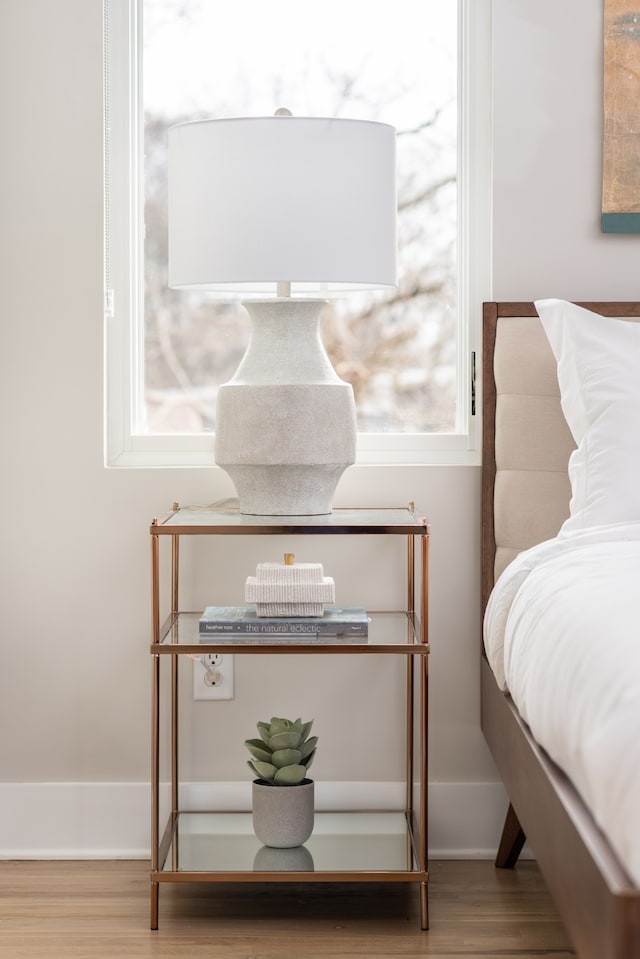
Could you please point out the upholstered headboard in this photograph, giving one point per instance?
(526, 441)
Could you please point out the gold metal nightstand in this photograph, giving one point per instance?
(395, 840)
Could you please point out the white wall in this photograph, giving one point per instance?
(74, 682)
(547, 142)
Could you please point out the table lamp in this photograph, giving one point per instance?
(283, 212)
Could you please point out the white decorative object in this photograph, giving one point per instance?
(290, 588)
(286, 422)
(283, 209)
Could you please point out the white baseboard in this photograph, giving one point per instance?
(111, 820)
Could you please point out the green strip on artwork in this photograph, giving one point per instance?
(620, 223)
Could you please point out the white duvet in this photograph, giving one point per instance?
(562, 634)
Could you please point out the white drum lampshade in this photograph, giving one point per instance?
(280, 210)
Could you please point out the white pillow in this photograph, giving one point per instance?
(599, 375)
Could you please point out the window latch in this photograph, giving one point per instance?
(473, 383)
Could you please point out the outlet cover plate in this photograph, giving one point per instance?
(222, 665)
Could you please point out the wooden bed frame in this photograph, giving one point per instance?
(598, 903)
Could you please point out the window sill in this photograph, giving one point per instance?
(174, 451)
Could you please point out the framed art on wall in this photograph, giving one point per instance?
(621, 136)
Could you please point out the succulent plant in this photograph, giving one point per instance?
(284, 752)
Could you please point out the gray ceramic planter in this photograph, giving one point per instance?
(283, 815)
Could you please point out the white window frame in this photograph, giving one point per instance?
(125, 443)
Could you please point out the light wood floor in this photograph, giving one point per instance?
(100, 910)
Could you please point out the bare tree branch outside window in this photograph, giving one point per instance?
(397, 350)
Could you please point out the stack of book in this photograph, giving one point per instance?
(241, 624)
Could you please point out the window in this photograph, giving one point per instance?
(408, 355)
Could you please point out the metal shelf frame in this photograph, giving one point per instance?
(176, 635)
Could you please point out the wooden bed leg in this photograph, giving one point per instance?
(511, 841)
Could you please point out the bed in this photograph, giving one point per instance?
(560, 532)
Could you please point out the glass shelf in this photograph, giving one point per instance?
(342, 843)
(388, 631)
(191, 520)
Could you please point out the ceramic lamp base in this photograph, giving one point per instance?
(286, 423)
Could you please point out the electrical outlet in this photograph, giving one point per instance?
(213, 676)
